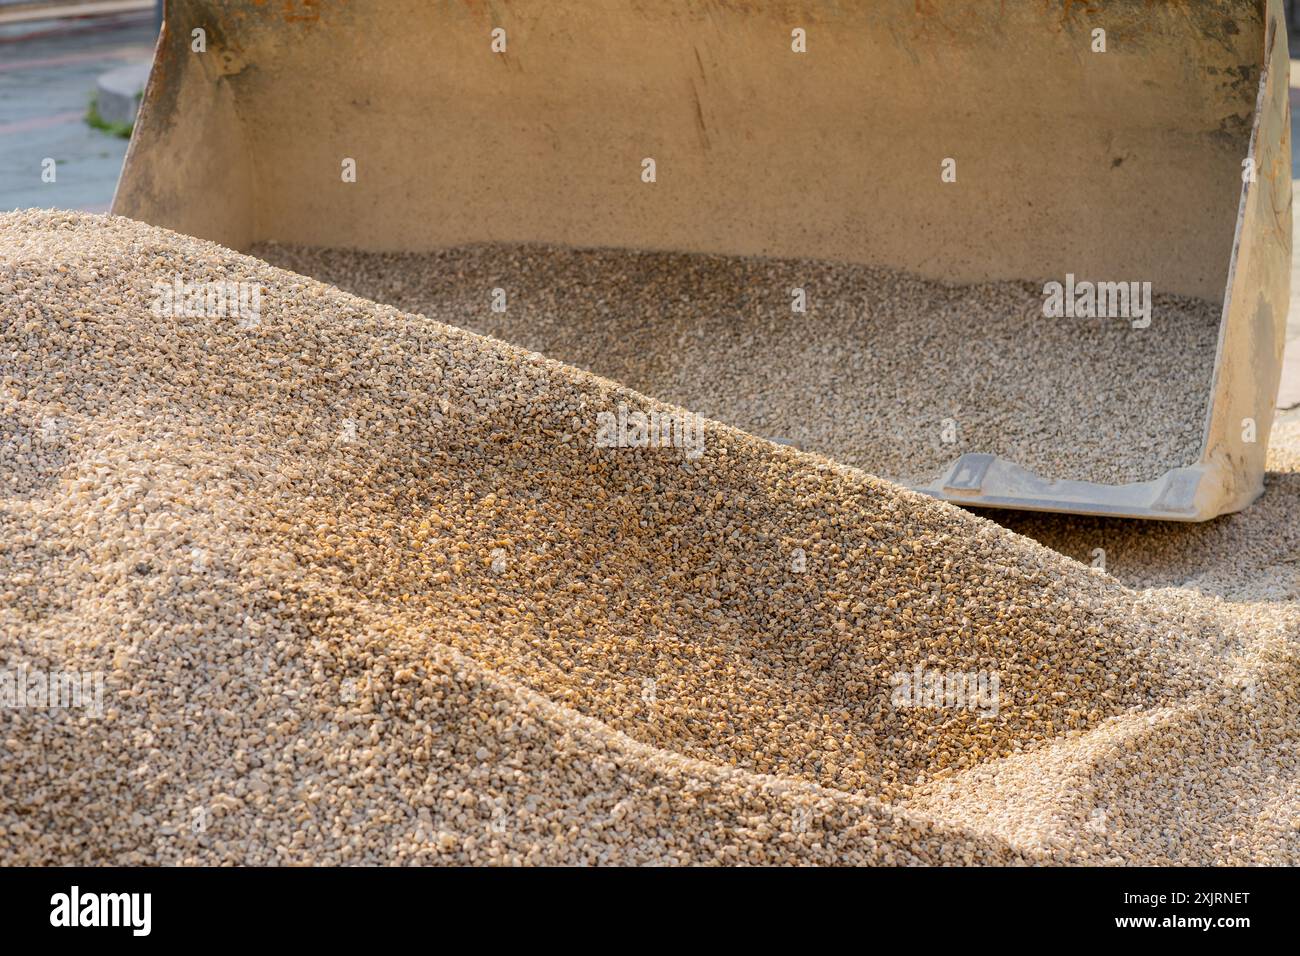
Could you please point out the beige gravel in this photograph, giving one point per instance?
(886, 371)
(362, 589)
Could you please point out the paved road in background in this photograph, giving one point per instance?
(47, 77)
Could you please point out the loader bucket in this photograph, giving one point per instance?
(1060, 144)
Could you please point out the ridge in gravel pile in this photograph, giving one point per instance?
(886, 371)
(363, 587)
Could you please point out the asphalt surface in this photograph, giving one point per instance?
(47, 77)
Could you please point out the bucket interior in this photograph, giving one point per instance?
(919, 171)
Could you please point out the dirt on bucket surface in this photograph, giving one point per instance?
(892, 373)
(342, 584)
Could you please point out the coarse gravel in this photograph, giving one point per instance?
(895, 374)
(363, 587)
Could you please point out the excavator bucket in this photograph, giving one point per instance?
(1051, 237)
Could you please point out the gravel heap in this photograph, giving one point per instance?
(365, 588)
(886, 371)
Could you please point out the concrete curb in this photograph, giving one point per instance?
(118, 92)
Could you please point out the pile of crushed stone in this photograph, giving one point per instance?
(366, 588)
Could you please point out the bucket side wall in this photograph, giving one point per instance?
(1123, 165)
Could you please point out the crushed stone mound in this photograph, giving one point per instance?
(363, 587)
